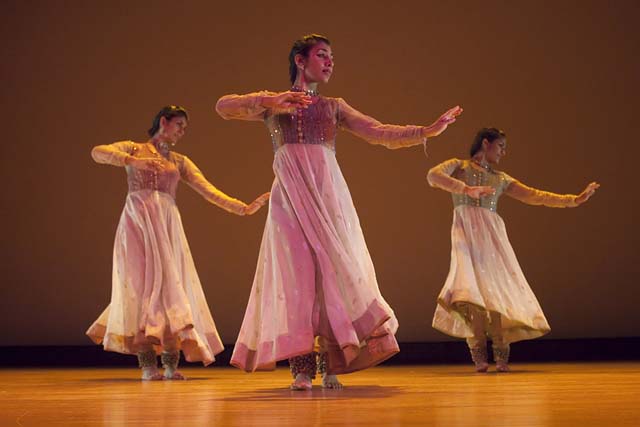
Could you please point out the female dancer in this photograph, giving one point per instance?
(486, 293)
(157, 302)
(314, 277)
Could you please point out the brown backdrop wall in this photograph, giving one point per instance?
(559, 77)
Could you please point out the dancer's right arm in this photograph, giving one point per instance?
(121, 153)
(254, 105)
(439, 176)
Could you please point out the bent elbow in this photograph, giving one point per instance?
(431, 177)
(95, 153)
(221, 109)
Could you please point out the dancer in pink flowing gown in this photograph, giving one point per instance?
(157, 303)
(315, 286)
(486, 294)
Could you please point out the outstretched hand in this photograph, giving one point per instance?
(475, 192)
(587, 192)
(256, 204)
(443, 122)
(286, 101)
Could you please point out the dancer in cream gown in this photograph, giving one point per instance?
(315, 286)
(486, 294)
(157, 302)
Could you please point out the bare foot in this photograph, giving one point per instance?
(502, 367)
(482, 367)
(331, 381)
(151, 374)
(302, 382)
(173, 375)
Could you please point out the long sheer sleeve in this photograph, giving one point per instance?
(113, 154)
(190, 173)
(242, 107)
(374, 132)
(532, 196)
(439, 176)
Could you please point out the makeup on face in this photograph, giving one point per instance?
(319, 64)
(496, 150)
(174, 129)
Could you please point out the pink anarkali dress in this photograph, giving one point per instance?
(314, 277)
(156, 296)
(484, 272)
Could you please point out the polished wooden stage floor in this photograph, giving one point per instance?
(567, 395)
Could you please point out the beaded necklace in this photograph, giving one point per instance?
(310, 92)
(485, 166)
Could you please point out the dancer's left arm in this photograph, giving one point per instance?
(192, 175)
(533, 196)
(391, 136)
